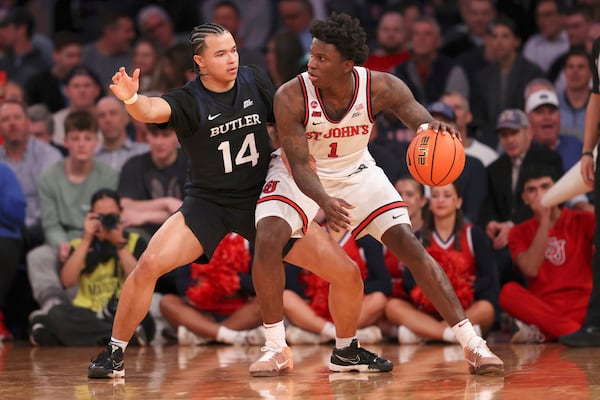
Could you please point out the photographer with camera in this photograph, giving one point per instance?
(98, 263)
(65, 189)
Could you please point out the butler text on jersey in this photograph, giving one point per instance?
(246, 120)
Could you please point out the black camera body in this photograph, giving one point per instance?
(108, 221)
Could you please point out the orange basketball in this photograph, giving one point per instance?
(435, 159)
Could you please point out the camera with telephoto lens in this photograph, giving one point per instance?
(108, 221)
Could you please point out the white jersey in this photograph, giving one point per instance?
(339, 147)
(344, 165)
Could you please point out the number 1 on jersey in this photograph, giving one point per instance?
(246, 154)
(332, 150)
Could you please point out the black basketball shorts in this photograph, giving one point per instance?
(210, 221)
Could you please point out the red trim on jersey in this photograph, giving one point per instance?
(305, 95)
(369, 107)
(375, 214)
(289, 202)
(354, 97)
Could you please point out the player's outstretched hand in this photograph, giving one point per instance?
(336, 212)
(125, 86)
(441, 127)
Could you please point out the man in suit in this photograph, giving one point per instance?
(504, 206)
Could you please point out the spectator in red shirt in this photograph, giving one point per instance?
(553, 250)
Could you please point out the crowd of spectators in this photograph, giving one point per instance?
(68, 151)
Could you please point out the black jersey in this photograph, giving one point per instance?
(227, 145)
(596, 72)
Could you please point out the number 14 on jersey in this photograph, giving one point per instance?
(246, 154)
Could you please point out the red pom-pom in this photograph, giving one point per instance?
(460, 278)
(218, 281)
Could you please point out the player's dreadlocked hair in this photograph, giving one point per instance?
(345, 33)
(198, 37)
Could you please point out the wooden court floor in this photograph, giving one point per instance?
(549, 371)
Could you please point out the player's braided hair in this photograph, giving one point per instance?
(197, 39)
(345, 33)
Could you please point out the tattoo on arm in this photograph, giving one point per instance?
(391, 94)
(289, 114)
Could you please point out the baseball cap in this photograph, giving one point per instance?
(513, 118)
(540, 98)
(442, 109)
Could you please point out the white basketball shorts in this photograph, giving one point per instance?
(378, 206)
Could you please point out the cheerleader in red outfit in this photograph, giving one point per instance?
(464, 252)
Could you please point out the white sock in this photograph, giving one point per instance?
(226, 335)
(406, 336)
(464, 332)
(449, 336)
(121, 343)
(275, 333)
(477, 329)
(328, 330)
(340, 343)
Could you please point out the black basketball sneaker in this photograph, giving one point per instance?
(108, 364)
(355, 358)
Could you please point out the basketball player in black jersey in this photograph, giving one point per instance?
(589, 334)
(221, 122)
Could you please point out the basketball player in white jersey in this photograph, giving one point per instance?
(327, 114)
